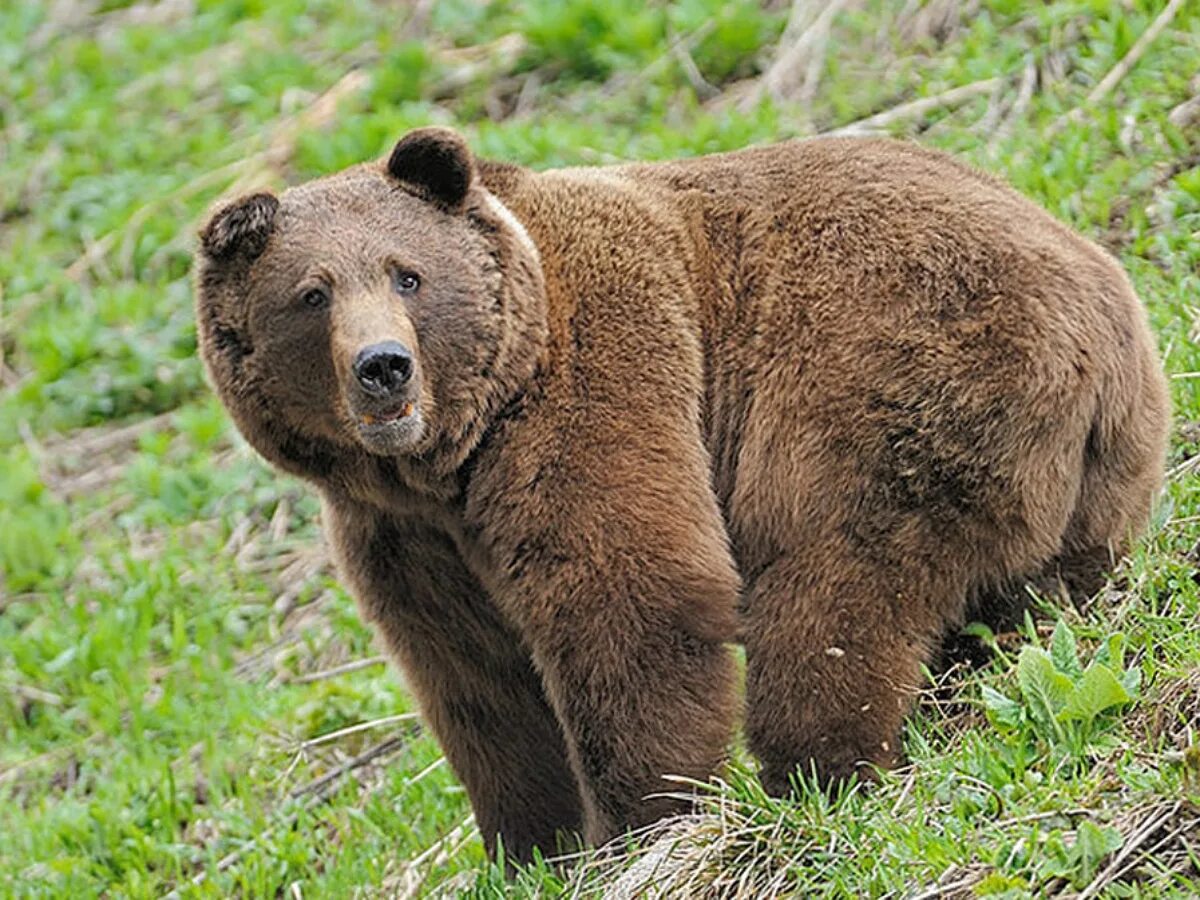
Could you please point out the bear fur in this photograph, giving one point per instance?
(827, 398)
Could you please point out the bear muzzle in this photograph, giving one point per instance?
(385, 397)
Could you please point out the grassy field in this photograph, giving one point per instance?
(188, 702)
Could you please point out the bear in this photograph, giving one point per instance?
(579, 432)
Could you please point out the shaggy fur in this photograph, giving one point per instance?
(827, 398)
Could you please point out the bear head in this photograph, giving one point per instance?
(390, 309)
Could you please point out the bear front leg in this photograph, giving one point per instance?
(620, 580)
(470, 674)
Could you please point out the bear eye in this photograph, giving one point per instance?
(406, 282)
(317, 298)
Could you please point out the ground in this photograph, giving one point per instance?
(188, 702)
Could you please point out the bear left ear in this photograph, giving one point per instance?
(241, 226)
(436, 161)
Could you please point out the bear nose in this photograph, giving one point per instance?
(383, 368)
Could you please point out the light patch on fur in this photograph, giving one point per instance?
(610, 178)
(608, 175)
(506, 216)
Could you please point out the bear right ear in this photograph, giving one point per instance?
(436, 161)
(243, 227)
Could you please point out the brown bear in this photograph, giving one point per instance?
(577, 431)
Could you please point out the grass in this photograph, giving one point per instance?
(181, 675)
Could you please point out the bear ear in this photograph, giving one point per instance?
(436, 161)
(242, 226)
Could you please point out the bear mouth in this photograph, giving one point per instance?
(391, 431)
(401, 412)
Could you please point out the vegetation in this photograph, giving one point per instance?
(188, 701)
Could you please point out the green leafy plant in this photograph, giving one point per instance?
(1048, 856)
(1061, 702)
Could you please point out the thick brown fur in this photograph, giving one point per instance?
(827, 398)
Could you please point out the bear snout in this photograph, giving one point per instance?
(385, 398)
(383, 369)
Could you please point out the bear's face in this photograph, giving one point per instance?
(366, 310)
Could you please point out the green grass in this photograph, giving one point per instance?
(165, 597)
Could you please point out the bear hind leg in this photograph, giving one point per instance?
(1121, 474)
(834, 652)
